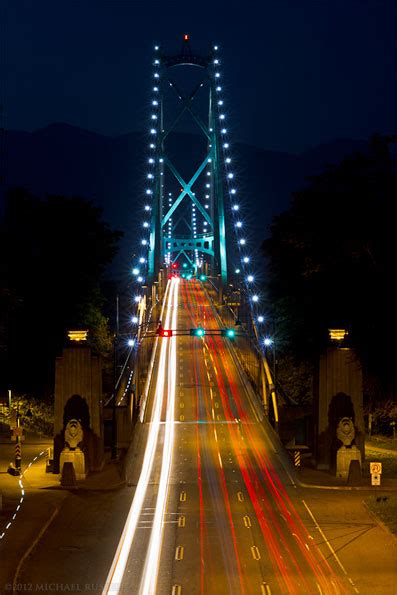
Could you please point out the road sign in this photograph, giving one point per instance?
(375, 479)
(375, 468)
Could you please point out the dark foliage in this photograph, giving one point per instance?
(331, 261)
(57, 251)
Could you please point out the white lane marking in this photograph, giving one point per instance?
(291, 480)
(152, 563)
(331, 549)
(116, 572)
(21, 477)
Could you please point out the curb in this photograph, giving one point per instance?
(111, 488)
(379, 522)
(368, 488)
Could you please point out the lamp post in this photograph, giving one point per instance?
(115, 346)
(270, 342)
(114, 422)
(117, 376)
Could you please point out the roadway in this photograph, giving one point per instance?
(215, 508)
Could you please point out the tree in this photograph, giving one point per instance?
(58, 250)
(331, 261)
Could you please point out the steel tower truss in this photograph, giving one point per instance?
(167, 243)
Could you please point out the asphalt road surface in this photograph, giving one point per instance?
(214, 509)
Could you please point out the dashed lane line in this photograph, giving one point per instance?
(247, 521)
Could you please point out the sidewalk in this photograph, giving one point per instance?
(309, 476)
(39, 497)
(350, 536)
(352, 539)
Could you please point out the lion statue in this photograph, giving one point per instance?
(73, 434)
(345, 431)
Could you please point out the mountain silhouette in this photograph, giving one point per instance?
(111, 171)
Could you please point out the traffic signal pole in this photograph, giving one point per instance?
(18, 453)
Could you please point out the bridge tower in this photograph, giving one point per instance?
(186, 198)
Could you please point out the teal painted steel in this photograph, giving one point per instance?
(167, 242)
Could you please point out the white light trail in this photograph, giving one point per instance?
(115, 576)
(152, 563)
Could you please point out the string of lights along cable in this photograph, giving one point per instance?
(183, 224)
(212, 501)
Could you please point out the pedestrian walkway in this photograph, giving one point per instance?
(370, 447)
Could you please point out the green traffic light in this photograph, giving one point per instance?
(230, 333)
(203, 278)
(197, 332)
(183, 276)
(184, 265)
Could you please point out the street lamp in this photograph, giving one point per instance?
(270, 342)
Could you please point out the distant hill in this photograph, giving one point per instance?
(110, 171)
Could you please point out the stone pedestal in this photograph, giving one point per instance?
(77, 458)
(338, 393)
(78, 394)
(344, 456)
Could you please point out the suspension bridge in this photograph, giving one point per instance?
(214, 506)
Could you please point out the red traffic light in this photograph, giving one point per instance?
(174, 265)
(166, 333)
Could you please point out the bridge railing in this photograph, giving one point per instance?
(245, 343)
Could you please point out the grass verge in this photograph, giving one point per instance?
(381, 442)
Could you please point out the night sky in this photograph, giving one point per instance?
(298, 72)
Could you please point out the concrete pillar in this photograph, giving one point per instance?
(339, 393)
(78, 394)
